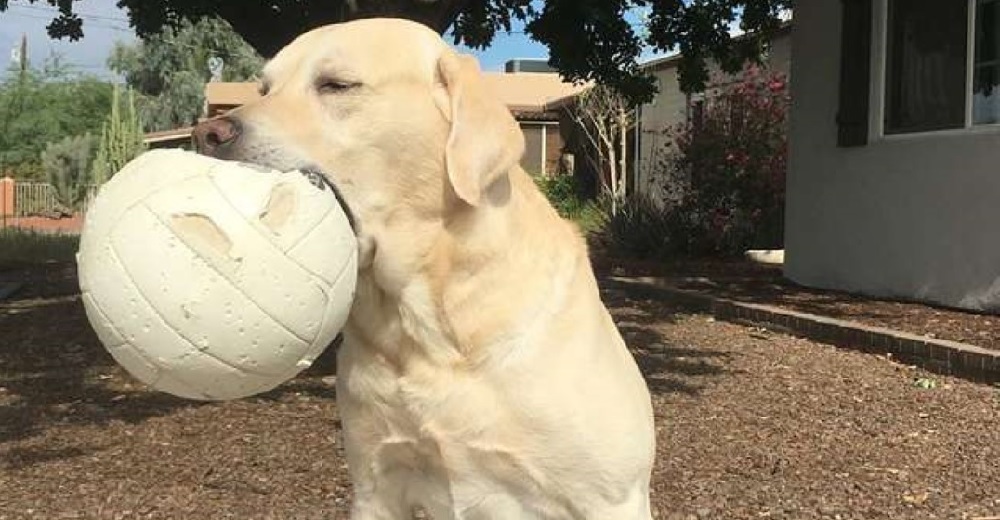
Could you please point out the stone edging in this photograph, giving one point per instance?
(937, 355)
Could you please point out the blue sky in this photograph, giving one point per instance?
(104, 24)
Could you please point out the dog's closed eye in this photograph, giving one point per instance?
(335, 86)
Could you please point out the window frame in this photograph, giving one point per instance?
(879, 72)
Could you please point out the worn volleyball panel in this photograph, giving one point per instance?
(215, 280)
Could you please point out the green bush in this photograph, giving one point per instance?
(67, 168)
(563, 194)
(641, 228)
(42, 106)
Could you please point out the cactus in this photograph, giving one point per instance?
(66, 164)
(121, 137)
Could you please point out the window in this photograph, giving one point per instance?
(696, 109)
(927, 83)
(531, 161)
(986, 74)
(925, 72)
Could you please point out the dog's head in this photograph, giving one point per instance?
(396, 119)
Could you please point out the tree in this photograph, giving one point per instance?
(121, 138)
(169, 69)
(604, 118)
(44, 105)
(589, 40)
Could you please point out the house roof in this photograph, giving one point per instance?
(657, 63)
(231, 94)
(563, 101)
(168, 135)
(673, 59)
(529, 91)
(521, 92)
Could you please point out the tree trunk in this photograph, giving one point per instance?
(613, 174)
(623, 159)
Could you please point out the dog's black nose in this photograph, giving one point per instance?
(215, 135)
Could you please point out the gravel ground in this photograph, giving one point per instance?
(751, 424)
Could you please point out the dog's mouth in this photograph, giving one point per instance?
(322, 182)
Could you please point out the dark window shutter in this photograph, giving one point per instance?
(855, 72)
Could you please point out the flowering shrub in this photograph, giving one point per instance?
(725, 170)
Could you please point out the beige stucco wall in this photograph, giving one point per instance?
(911, 217)
(669, 109)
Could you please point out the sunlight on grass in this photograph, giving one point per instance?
(561, 191)
(591, 217)
(25, 246)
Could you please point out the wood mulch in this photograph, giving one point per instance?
(755, 283)
(750, 424)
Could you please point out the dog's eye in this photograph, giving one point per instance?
(334, 86)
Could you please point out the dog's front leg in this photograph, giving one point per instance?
(379, 496)
(376, 507)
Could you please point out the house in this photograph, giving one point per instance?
(219, 99)
(672, 107)
(527, 95)
(524, 93)
(176, 138)
(894, 178)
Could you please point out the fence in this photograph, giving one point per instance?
(30, 199)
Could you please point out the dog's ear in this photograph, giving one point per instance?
(485, 141)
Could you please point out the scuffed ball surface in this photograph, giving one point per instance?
(215, 280)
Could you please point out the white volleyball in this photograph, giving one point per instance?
(212, 279)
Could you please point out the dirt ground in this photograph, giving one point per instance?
(750, 425)
(748, 282)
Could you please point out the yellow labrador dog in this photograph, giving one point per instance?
(481, 377)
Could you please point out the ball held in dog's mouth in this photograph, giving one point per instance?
(214, 280)
(322, 182)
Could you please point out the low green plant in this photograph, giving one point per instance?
(563, 194)
(592, 217)
(22, 246)
(641, 228)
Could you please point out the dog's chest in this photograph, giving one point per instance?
(434, 425)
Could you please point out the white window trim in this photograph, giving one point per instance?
(545, 142)
(879, 60)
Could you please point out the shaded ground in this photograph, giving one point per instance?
(750, 425)
(748, 282)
